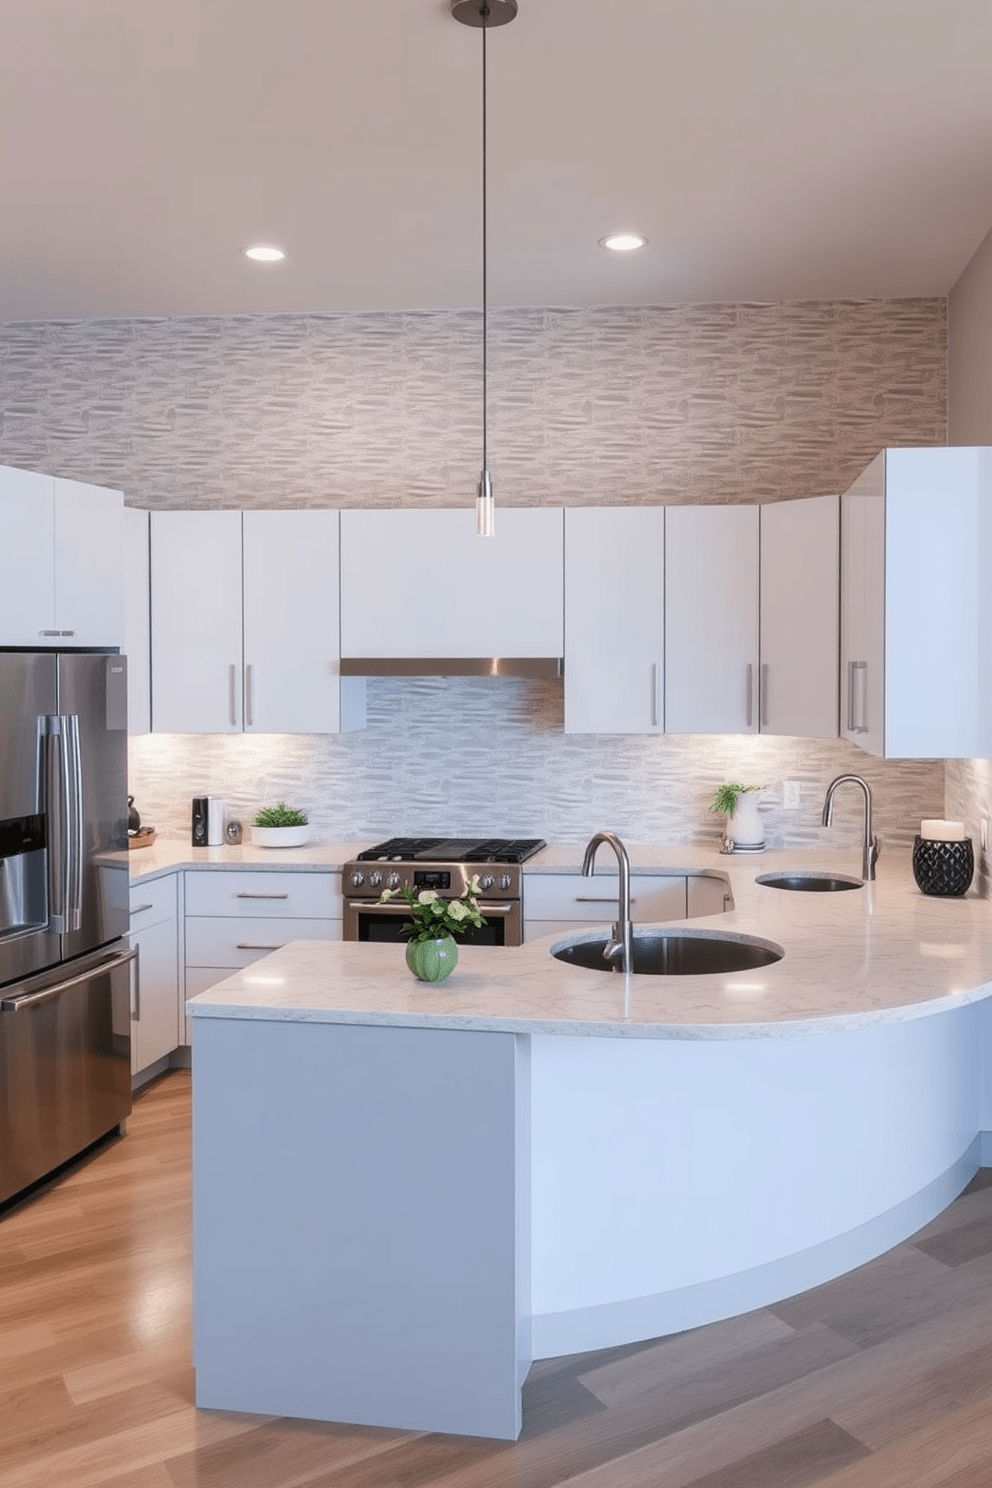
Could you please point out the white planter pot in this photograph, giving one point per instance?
(280, 836)
(745, 829)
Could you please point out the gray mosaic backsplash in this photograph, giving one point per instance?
(483, 755)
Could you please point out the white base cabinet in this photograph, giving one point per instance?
(67, 586)
(235, 917)
(614, 619)
(916, 605)
(155, 985)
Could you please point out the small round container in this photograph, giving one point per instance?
(943, 868)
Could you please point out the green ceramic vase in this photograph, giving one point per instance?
(432, 960)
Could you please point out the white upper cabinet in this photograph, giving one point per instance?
(711, 619)
(614, 619)
(137, 621)
(292, 647)
(418, 583)
(916, 605)
(799, 600)
(196, 622)
(67, 586)
(245, 624)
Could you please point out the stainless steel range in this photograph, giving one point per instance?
(445, 864)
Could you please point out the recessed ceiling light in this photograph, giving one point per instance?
(623, 242)
(264, 253)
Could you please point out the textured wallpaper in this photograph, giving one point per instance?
(685, 403)
(711, 403)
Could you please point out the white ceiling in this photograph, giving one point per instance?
(770, 149)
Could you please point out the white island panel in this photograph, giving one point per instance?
(361, 1225)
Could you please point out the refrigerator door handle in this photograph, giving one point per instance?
(22, 1001)
(56, 798)
(74, 799)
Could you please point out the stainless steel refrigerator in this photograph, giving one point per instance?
(65, 972)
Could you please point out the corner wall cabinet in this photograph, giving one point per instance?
(137, 621)
(916, 605)
(66, 587)
(245, 629)
(419, 583)
(614, 620)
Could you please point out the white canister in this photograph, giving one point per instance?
(215, 822)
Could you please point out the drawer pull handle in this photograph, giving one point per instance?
(140, 908)
(601, 899)
(262, 896)
(245, 945)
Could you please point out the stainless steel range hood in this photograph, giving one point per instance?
(452, 666)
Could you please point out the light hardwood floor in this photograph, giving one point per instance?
(882, 1379)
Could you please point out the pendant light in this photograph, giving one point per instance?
(484, 14)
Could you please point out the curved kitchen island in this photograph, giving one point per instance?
(404, 1193)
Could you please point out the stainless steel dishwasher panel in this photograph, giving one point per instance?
(65, 1064)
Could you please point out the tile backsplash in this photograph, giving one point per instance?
(488, 755)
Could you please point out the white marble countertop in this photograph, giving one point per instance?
(881, 953)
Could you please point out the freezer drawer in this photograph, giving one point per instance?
(65, 1064)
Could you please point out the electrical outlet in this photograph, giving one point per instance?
(790, 795)
(985, 834)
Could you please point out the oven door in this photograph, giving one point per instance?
(367, 919)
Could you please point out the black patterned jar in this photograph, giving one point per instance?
(943, 867)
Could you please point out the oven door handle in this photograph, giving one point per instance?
(358, 905)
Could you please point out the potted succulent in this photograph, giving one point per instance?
(280, 826)
(431, 953)
(739, 804)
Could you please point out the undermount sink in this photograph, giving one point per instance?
(675, 953)
(810, 883)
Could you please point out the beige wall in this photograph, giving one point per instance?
(969, 400)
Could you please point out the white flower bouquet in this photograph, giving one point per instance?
(432, 917)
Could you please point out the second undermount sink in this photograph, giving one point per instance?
(809, 883)
(675, 953)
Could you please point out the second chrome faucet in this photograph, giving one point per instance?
(869, 853)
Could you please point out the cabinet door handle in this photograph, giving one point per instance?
(248, 894)
(141, 908)
(232, 687)
(749, 691)
(245, 945)
(655, 694)
(764, 694)
(136, 986)
(857, 717)
(250, 695)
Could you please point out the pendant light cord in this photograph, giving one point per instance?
(485, 265)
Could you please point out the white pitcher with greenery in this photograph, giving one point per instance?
(739, 804)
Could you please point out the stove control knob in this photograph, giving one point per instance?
(486, 881)
(393, 881)
(357, 879)
(505, 881)
(375, 879)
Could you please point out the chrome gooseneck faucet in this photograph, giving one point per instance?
(870, 847)
(621, 943)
